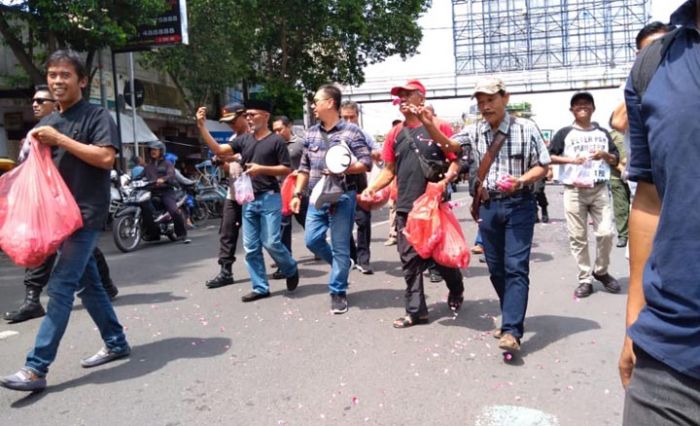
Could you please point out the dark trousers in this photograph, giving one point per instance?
(287, 223)
(359, 250)
(506, 229)
(228, 232)
(37, 278)
(541, 198)
(621, 206)
(658, 395)
(413, 266)
(169, 201)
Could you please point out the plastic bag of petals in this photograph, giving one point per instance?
(244, 189)
(423, 229)
(452, 251)
(377, 201)
(287, 193)
(37, 210)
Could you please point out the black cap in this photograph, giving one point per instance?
(260, 105)
(231, 111)
(582, 95)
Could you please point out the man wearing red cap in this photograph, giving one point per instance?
(402, 146)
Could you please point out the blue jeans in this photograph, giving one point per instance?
(75, 272)
(261, 228)
(506, 229)
(340, 218)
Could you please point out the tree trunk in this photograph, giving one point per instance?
(17, 47)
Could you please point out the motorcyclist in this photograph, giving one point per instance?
(162, 172)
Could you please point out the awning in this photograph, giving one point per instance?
(219, 131)
(143, 132)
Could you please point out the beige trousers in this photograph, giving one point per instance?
(578, 204)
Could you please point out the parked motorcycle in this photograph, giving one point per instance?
(128, 227)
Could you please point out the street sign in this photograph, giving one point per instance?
(139, 92)
(170, 29)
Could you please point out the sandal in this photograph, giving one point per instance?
(454, 301)
(409, 321)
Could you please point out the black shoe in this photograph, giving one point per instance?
(365, 269)
(537, 218)
(339, 303)
(24, 380)
(103, 356)
(220, 280)
(622, 242)
(454, 301)
(253, 296)
(608, 282)
(277, 275)
(27, 311)
(583, 290)
(435, 277)
(183, 239)
(545, 218)
(293, 281)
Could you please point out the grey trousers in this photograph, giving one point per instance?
(658, 395)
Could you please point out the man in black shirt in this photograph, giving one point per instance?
(265, 157)
(82, 138)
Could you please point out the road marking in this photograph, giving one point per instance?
(9, 333)
(511, 415)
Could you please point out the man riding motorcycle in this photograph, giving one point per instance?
(162, 172)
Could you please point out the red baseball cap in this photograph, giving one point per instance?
(410, 85)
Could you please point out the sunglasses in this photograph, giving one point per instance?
(41, 101)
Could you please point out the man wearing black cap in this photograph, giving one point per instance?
(585, 153)
(233, 114)
(264, 156)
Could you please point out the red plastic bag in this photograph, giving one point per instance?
(423, 230)
(288, 186)
(377, 201)
(394, 191)
(37, 210)
(452, 251)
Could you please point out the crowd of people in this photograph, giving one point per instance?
(506, 159)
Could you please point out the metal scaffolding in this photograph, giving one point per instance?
(519, 35)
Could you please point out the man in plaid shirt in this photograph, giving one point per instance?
(338, 217)
(507, 219)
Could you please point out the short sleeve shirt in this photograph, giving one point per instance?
(573, 142)
(91, 125)
(268, 151)
(410, 180)
(523, 149)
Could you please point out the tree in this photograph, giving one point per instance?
(31, 28)
(290, 47)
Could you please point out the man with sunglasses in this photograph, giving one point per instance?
(264, 157)
(338, 217)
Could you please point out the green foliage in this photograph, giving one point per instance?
(82, 25)
(289, 46)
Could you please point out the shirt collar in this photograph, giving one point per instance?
(504, 127)
(685, 15)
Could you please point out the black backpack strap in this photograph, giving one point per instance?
(649, 60)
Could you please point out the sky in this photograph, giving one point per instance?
(436, 59)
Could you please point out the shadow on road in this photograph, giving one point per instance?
(475, 314)
(547, 329)
(141, 299)
(144, 360)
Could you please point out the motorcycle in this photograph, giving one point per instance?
(128, 227)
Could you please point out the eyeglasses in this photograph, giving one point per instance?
(317, 101)
(41, 101)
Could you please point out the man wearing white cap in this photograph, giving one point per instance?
(509, 156)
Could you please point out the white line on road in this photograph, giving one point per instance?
(9, 333)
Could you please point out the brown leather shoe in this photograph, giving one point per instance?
(508, 342)
(609, 282)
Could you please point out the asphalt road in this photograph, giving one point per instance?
(203, 357)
